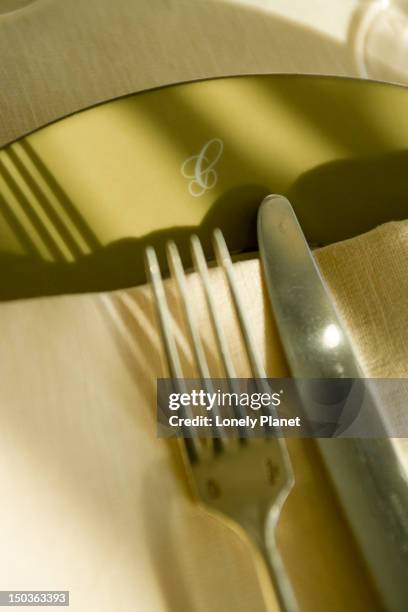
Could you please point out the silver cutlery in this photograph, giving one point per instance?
(366, 471)
(246, 480)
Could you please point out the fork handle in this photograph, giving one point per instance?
(281, 584)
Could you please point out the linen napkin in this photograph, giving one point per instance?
(93, 502)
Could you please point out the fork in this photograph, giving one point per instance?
(246, 479)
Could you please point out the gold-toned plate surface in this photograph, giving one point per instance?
(81, 198)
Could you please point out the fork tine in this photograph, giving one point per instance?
(177, 270)
(224, 260)
(193, 444)
(201, 267)
(155, 278)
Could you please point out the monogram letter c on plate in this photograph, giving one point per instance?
(200, 169)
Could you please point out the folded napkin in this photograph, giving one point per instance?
(94, 503)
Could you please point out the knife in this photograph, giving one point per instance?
(366, 472)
